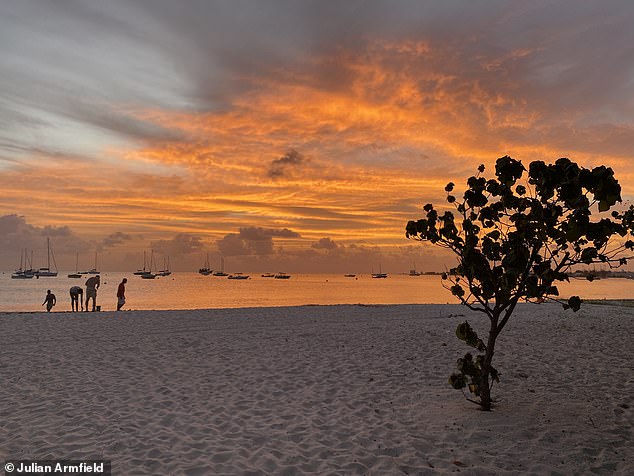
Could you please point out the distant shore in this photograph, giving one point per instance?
(316, 389)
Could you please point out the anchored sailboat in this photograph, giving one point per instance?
(48, 272)
(380, 274)
(166, 268)
(149, 274)
(22, 273)
(206, 270)
(140, 272)
(222, 268)
(93, 270)
(76, 274)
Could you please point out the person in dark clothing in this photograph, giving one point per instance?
(49, 300)
(121, 294)
(92, 284)
(76, 298)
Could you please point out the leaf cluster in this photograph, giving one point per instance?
(469, 370)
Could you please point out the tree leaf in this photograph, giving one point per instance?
(575, 303)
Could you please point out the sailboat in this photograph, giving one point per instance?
(140, 272)
(22, 273)
(149, 274)
(379, 274)
(93, 270)
(76, 273)
(413, 272)
(166, 269)
(47, 272)
(222, 268)
(28, 260)
(206, 270)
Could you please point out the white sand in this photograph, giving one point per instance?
(325, 390)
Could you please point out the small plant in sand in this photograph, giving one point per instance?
(514, 237)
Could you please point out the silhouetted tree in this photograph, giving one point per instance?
(514, 241)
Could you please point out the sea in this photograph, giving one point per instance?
(182, 290)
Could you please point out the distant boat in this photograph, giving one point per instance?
(222, 269)
(166, 269)
(92, 270)
(238, 276)
(268, 275)
(282, 276)
(29, 261)
(48, 272)
(22, 273)
(149, 274)
(140, 272)
(206, 270)
(76, 273)
(413, 272)
(349, 275)
(379, 274)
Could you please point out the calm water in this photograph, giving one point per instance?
(193, 291)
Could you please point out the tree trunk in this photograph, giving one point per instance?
(485, 389)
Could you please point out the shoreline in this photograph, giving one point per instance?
(354, 389)
(588, 302)
(212, 309)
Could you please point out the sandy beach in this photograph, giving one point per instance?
(317, 390)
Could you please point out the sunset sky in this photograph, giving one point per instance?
(289, 135)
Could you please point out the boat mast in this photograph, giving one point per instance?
(54, 262)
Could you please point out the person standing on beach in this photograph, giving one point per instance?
(76, 297)
(121, 294)
(49, 300)
(92, 284)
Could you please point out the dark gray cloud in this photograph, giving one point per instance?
(17, 234)
(325, 244)
(233, 245)
(286, 164)
(253, 241)
(115, 239)
(255, 233)
(180, 245)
